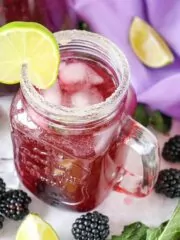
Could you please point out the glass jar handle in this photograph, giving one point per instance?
(141, 140)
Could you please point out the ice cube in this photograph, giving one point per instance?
(80, 99)
(95, 96)
(94, 78)
(53, 94)
(74, 76)
(73, 73)
(86, 98)
(62, 66)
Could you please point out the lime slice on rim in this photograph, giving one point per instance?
(33, 227)
(148, 45)
(31, 44)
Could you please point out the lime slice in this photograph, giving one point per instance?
(148, 45)
(33, 227)
(31, 44)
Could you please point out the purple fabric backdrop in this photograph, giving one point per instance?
(158, 88)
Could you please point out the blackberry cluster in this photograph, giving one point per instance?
(14, 204)
(2, 187)
(91, 226)
(171, 149)
(168, 183)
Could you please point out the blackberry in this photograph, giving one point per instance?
(91, 226)
(1, 221)
(168, 183)
(2, 187)
(171, 149)
(14, 204)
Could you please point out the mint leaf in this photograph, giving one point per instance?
(172, 229)
(154, 233)
(116, 238)
(166, 231)
(141, 115)
(134, 231)
(160, 121)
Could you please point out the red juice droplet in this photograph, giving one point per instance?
(128, 201)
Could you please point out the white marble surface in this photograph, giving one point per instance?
(121, 209)
(5, 139)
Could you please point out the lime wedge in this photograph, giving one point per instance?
(33, 227)
(31, 44)
(148, 45)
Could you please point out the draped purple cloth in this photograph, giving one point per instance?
(159, 88)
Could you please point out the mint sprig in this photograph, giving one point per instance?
(156, 119)
(166, 231)
(172, 229)
(134, 231)
(154, 233)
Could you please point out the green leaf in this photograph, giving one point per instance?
(166, 231)
(172, 229)
(83, 26)
(141, 115)
(160, 122)
(154, 233)
(134, 231)
(116, 238)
